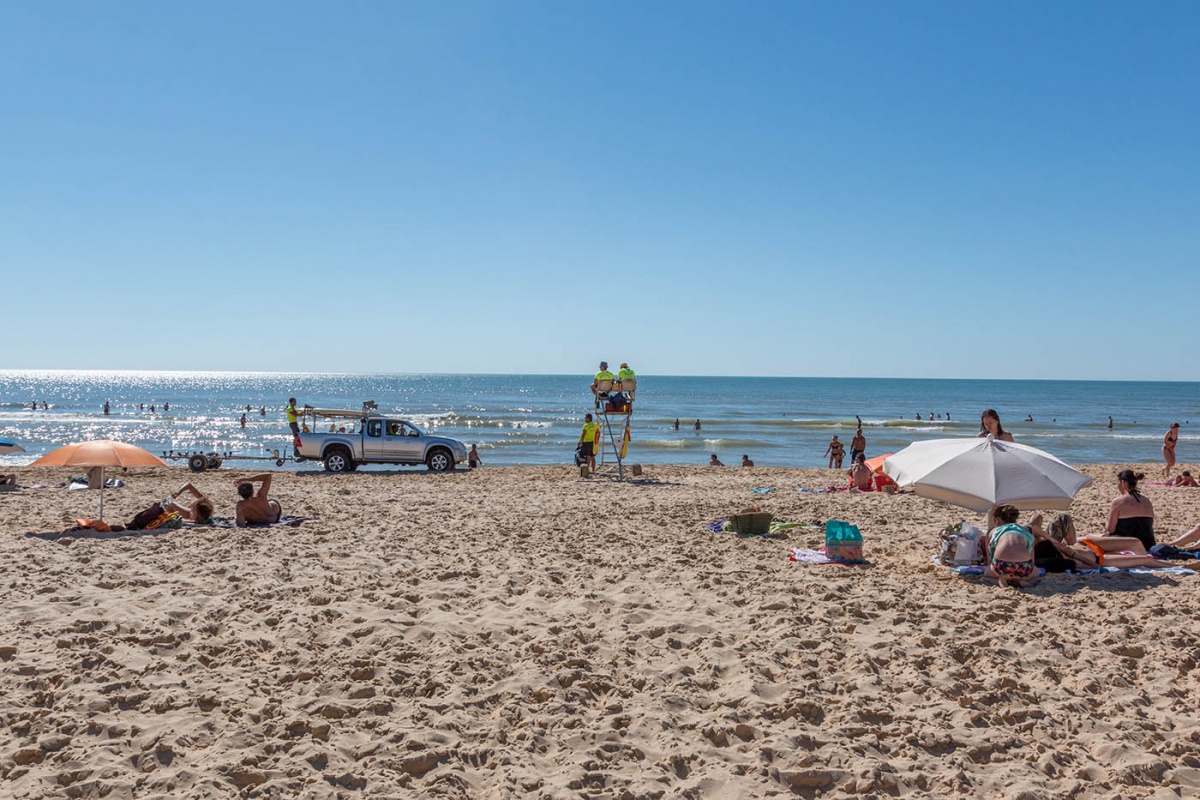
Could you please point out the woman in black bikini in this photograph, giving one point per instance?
(1169, 448)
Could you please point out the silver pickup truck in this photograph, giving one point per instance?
(373, 439)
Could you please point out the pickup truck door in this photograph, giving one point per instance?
(406, 444)
(374, 446)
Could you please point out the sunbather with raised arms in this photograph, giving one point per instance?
(199, 511)
(257, 509)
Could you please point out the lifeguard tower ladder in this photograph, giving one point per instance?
(614, 420)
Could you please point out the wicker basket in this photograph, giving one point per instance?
(758, 523)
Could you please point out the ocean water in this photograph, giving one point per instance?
(535, 419)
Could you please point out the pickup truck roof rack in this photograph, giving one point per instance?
(335, 412)
(369, 408)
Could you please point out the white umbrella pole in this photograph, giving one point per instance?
(102, 493)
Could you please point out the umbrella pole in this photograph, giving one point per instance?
(102, 493)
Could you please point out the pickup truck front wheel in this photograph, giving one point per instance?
(338, 460)
(440, 460)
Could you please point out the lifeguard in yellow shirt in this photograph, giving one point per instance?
(602, 375)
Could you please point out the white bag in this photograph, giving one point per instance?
(962, 545)
(968, 547)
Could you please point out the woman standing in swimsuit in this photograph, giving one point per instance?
(990, 423)
(1169, 448)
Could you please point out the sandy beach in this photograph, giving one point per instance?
(521, 632)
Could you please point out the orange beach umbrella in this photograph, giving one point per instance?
(99, 453)
(876, 464)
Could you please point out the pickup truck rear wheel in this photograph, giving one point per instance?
(338, 460)
(440, 460)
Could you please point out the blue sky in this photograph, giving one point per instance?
(777, 188)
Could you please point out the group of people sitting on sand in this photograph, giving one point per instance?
(1014, 552)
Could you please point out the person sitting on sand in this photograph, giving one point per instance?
(1186, 479)
(257, 508)
(199, 511)
(713, 461)
(1131, 513)
(860, 474)
(746, 462)
(1010, 550)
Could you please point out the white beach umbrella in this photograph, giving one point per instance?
(981, 473)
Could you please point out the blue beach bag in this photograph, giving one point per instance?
(843, 542)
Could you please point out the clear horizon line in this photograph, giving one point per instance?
(129, 371)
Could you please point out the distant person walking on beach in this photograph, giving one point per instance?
(836, 451)
(473, 460)
(1110, 423)
(587, 441)
(989, 422)
(858, 445)
(1168, 448)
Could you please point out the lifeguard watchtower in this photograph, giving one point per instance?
(614, 402)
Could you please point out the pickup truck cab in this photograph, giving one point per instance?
(375, 439)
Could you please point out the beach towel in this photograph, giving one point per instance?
(977, 570)
(803, 556)
(286, 521)
(777, 527)
(761, 491)
(81, 483)
(1165, 569)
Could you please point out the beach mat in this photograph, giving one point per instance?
(286, 521)
(800, 555)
